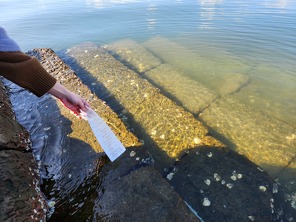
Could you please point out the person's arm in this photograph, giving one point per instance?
(72, 101)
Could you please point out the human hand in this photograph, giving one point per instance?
(70, 100)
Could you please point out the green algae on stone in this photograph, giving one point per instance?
(131, 53)
(214, 74)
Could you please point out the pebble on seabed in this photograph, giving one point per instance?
(207, 182)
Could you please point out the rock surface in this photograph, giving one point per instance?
(20, 196)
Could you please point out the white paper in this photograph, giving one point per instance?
(107, 139)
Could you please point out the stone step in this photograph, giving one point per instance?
(223, 76)
(133, 54)
(167, 125)
(172, 82)
(154, 117)
(263, 139)
(175, 84)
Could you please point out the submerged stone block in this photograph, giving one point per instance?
(142, 195)
(167, 124)
(192, 95)
(271, 91)
(222, 185)
(133, 54)
(263, 139)
(223, 76)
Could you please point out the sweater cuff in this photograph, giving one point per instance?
(40, 81)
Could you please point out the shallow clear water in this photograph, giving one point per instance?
(211, 39)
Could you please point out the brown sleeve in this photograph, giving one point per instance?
(26, 71)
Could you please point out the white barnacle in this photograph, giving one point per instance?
(229, 185)
(170, 176)
(233, 177)
(206, 202)
(217, 177)
(132, 153)
(251, 218)
(197, 140)
(207, 182)
(239, 176)
(262, 188)
(223, 182)
(210, 154)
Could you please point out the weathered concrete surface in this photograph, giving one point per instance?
(238, 191)
(168, 125)
(223, 76)
(133, 54)
(20, 196)
(81, 130)
(270, 145)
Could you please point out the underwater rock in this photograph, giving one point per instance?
(142, 195)
(227, 199)
(192, 95)
(159, 119)
(12, 134)
(133, 54)
(265, 144)
(213, 74)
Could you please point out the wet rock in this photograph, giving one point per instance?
(223, 76)
(140, 195)
(266, 144)
(168, 125)
(12, 134)
(133, 54)
(226, 186)
(129, 189)
(20, 196)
